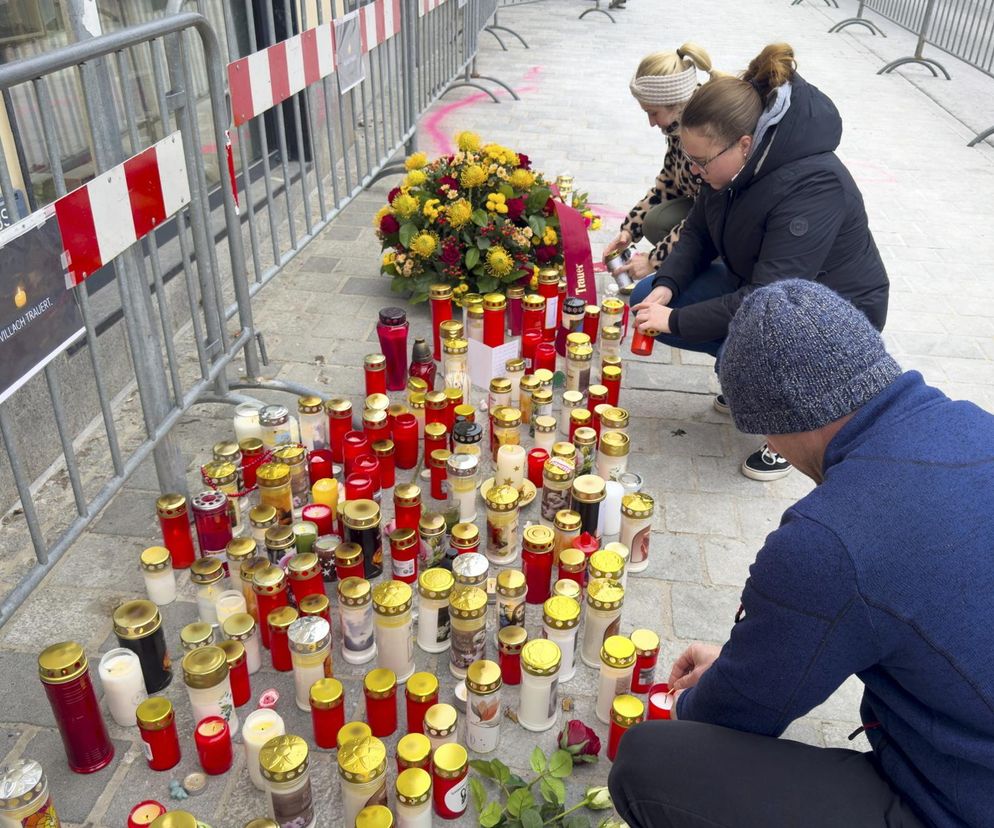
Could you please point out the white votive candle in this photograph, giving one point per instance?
(124, 688)
(610, 513)
(510, 466)
(230, 602)
(160, 580)
(260, 726)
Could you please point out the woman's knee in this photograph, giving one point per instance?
(642, 289)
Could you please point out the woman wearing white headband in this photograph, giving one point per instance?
(662, 85)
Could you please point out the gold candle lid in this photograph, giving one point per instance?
(494, 301)
(302, 566)
(567, 520)
(564, 451)
(374, 816)
(550, 275)
(436, 400)
(544, 424)
(175, 819)
(515, 292)
(612, 306)
(618, 651)
(407, 494)
(413, 749)
(416, 399)
(414, 784)
(450, 329)
(508, 417)
(392, 598)
(136, 619)
(533, 302)
(561, 613)
(250, 447)
(542, 396)
(326, 693)
(580, 353)
(544, 377)
(205, 667)
(262, 515)
(465, 411)
(511, 639)
(272, 475)
(239, 550)
(605, 594)
(455, 345)
(197, 634)
(155, 713)
(438, 458)
(436, 430)
(374, 417)
(281, 618)
(421, 687)
(239, 627)
(626, 710)
(515, 365)
(615, 418)
(440, 291)
(440, 720)
(436, 583)
(500, 385)
(611, 372)
(380, 683)
(352, 730)
(615, 444)
(580, 416)
(247, 569)
(234, 652)
(269, 580)
(567, 589)
(283, 758)
(572, 560)
(431, 523)
(511, 583)
(502, 498)
(646, 642)
(61, 663)
(310, 405)
(362, 760)
(605, 564)
(279, 537)
(475, 309)
(611, 332)
(577, 338)
(589, 488)
(574, 398)
(465, 535)
(585, 436)
(384, 448)
(155, 559)
(339, 408)
(468, 602)
(348, 554)
(170, 505)
(598, 392)
(483, 677)
(377, 402)
(220, 472)
(361, 514)
(541, 657)
(637, 505)
(403, 538)
(529, 384)
(354, 592)
(374, 362)
(538, 538)
(556, 468)
(450, 760)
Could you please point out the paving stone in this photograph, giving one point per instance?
(53, 614)
(673, 557)
(131, 513)
(9, 736)
(806, 730)
(357, 286)
(703, 613)
(728, 560)
(700, 514)
(100, 561)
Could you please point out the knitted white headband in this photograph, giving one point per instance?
(665, 90)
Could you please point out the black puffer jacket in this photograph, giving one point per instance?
(793, 212)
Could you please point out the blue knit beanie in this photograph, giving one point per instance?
(798, 356)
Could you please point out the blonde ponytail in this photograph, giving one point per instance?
(770, 69)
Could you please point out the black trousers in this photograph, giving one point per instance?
(693, 775)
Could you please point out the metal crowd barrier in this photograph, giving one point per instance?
(319, 108)
(963, 29)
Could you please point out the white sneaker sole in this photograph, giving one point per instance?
(764, 476)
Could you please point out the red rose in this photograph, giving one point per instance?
(389, 225)
(581, 742)
(515, 208)
(524, 161)
(451, 252)
(448, 181)
(393, 194)
(546, 253)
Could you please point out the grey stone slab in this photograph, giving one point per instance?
(700, 514)
(728, 560)
(131, 513)
(694, 379)
(103, 561)
(704, 613)
(806, 730)
(9, 736)
(843, 704)
(715, 476)
(377, 286)
(53, 614)
(76, 793)
(673, 557)
(759, 518)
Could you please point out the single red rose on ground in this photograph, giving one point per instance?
(389, 225)
(580, 740)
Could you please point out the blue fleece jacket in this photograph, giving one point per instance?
(885, 571)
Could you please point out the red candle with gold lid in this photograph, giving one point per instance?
(537, 544)
(327, 699)
(177, 537)
(270, 587)
(375, 370)
(421, 692)
(278, 622)
(646, 655)
(611, 379)
(404, 554)
(304, 571)
(354, 444)
(413, 751)
(465, 538)
(316, 605)
(157, 728)
(441, 311)
(213, 739)
(349, 561)
(407, 506)
(626, 710)
(510, 641)
(380, 689)
(494, 308)
(339, 424)
(450, 787)
(238, 674)
(385, 452)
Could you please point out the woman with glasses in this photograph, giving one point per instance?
(662, 85)
(776, 203)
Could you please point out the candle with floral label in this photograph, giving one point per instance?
(483, 709)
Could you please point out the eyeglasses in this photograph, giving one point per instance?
(703, 165)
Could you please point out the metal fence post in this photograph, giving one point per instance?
(929, 63)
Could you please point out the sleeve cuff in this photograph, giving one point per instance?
(666, 281)
(675, 322)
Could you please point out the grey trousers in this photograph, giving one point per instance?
(662, 218)
(670, 773)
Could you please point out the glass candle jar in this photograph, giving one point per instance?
(124, 689)
(212, 521)
(414, 806)
(471, 569)
(374, 371)
(174, 521)
(567, 527)
(313, 423)
(646, 655)
(588, 494)
(392, 629)
(548, 286)
(279, 621)
(157, 727)
(278, 427)
(506, 428)
(440, 725)
(532, 313)
(578, 361)
(416, 402)
(207, 574)
(205, 672)
(541, 407)
(636, 528)
(310, 652)
(605, 563)
(261, 519)
(626, 710)
(560, 624)
(611, 379)
(464, 538)
(483, 708)
(441, 311)
(385, 453)
(468, 620)
(138, 627)
(596, 395)
(260, 726)
(269, 585)
(557, 479)
(612, 455)
(436, 406)
(295, 458)
(355, 602)
(421, 693)
(413, 751)
(564, 450)
(196, 635)
(545, 358)
(502, 523)
(437, 465)
(279, 543)
(467, 438)
(380, 689)
(573, 314)
(376, 425)
(157, 572)
(304, 571)
(570, 401)
(213, 741)
(578, 418)
(407, 506)
(283, 761)
(253, 453)
(462, 475)
(514, 370)
(322, 516)
(510, 640)
(603, 618)
(545, 432)
(537, 458)
(362, 765)
(404, 555)
(585, 442)
(24, 797)
(494, 308)
(612, 312)
(474, 322)
(237, 552)
(305, 533)
(392, 329)
(349, 561)
(451, 329)
(326, 697)
(610, 341)
(273, 480)
(362, 526)
(339, 412)
(147, 813)
(568, 589)
(510, 603)
(536, 557)
(434, 588)
(610, 516)
(433, 549)
(315, 606)
(359, 486)
(223, 477)
(246, 573)
(244, 629)
(450, 783)
(617, 663)
(538, 705)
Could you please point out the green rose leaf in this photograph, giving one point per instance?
(537, 224)
(491, 815)
(538, 197)
(519, 801)
(576, 821)
(515, 782)
(483, 767)
(478, 793)
(479, 218)
(538, 759)
(506, 190)
(561, 764)
(472, 257)
(553, 790)
(407, 232)
(531, 818)
(502, 772)
(483, 243)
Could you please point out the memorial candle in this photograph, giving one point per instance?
(660, 701)
(174, 522)
(260, 726)
(321, 514)
(536, 463)
(374, 368)
(441, 311)
(213, 740)
(339, 423)
(515, 298)
(405, 438)
(494, 307)
(354, 444)
(124, 688)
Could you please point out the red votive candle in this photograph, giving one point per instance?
(532, 313)
(548, 286)
(660, 701)
(253, 455)
(436, 437)
(596, 395)
(376, 425)
(441, 311)
(450, 764)
(320, 465)
(545, 356)
(611, 379)
(515, 296)
(157, 728)
(626, 710)
(646, 655)
(368, 465)
(421, 693)
(354, 445)
(269, 585)
(321, 516)
(404, 555)
(177, 537)
(385, 452)
(358, 487)
(213, 521)
(407, 506)
(380, 689)
(536, 462)
(241, 687)
(537, 543)
(349, 561)
(587, 544)
(145, 813)
(405, 438)
(438, 465)
(327, 699)
(436, 408)
(642, 342)
(592, 322)
(213, 739)
(339, 424)
(510, 641)
(375, 369)
(494, 307)
(305, 576)
(279, 622)
(530, 340)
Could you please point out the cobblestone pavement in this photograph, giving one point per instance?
(930, 203)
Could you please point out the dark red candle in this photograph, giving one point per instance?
(241, 688)
(404, 555)
(592, 322)
(441, 311)
(327, 700)
(380, 689)
(536, 462)
(385, 452)
(355, 444)
(642, 342)
(339, 424)
(368, 465)
(253, 455)
(320, 465)
(213, 521)
(358, 487)
(174, 521)
(611, 379)
(515, 300)
(405, 438)
(532, 313)
(321, 516)
(270, 588)
(436, 437)
(157, 728)
(438, 464)
(537, 544)
(421, 693)
(545, 356)
(279, 622)
(349, 561)
(407, 506)
(376, 425)
(596, 395)
(510, 641)
(626, 710)
(304, 574)
(213, 739)
(530, 340)
(548, 286)
(375, 368)
(494, 308)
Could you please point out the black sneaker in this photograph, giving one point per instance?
(721, 405)
(765, 465)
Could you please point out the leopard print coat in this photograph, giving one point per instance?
(675, 180)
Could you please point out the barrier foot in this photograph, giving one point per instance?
(932, 65)
(501, 83)
(521, 40)
(397, 168)
(858, 21)
(480, 86)
(982, 136)
(602, 11)
(489, 30)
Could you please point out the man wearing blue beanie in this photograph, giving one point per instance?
(885, 571)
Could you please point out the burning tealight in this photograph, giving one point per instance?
(660, 701)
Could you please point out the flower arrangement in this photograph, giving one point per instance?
(480, 220)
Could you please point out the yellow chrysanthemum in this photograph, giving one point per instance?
(458, 213)
(468, 141)
(424, 244)
(496, 203)
(499, 261)
(389, 259)
(521, 179)
(431, 208)
(405, 205)
(550, 236)
(415, 178)
(459, 290)
(496, 152)
(385, 210)
(473, 176)
(416, 161)
(595, 224)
